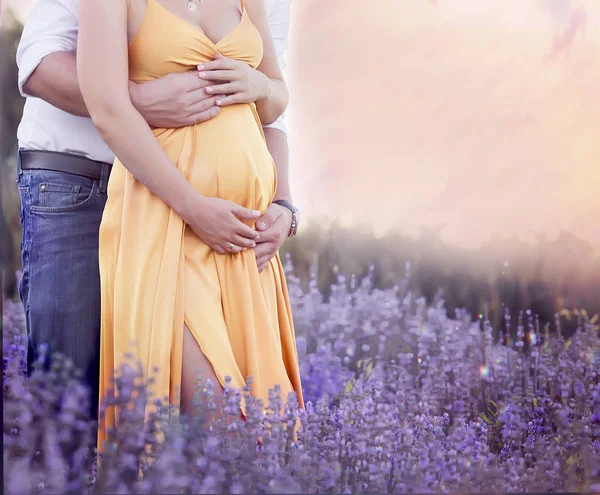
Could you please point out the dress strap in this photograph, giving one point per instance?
(243, 7)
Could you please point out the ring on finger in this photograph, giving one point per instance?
(232, 246)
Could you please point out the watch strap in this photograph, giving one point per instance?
(286, 204)
(294, 210)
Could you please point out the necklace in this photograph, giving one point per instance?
(192, 6)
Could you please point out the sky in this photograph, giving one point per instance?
(478, 116)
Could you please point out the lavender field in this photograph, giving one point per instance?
(400, 399)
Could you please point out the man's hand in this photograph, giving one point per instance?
(234, 81)
(274, 227)
(175, 100)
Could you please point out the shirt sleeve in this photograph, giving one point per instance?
(51, 27)
(279, 22)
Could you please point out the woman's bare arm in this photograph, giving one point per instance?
(272, 106)
(102, 67)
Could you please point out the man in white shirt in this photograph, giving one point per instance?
(64, 168)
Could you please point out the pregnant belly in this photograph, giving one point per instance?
(225, 157)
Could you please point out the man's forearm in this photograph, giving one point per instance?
(271, 107)
(55, 81)
(161, 101)
(278, 147)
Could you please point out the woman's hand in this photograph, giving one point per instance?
(219, 224)
(235, 80)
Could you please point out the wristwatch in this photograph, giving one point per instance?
(295, 215)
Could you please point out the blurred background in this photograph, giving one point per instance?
(458, 135)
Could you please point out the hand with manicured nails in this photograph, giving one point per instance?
(234, 81)
(218, 223)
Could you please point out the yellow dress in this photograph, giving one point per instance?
(157, 274)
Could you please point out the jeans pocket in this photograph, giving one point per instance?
(53, 197)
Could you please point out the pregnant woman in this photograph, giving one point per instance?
(180, 285)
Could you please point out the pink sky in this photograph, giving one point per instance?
(455, 114)
(482, 115)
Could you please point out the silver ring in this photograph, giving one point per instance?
(231, 246)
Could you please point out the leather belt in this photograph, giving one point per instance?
(63, 162)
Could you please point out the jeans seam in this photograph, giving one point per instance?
(26, 254)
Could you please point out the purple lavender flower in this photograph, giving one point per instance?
(399, 398)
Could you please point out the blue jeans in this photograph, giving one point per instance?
(60, 288)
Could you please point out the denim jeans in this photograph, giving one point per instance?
(60, 287)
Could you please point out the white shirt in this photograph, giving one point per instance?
(52, 27)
